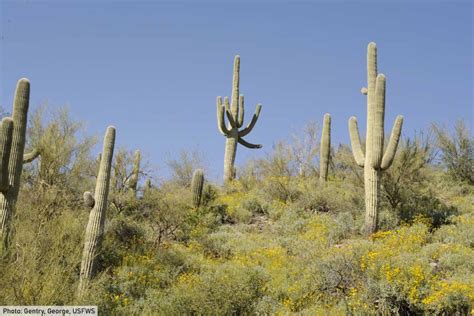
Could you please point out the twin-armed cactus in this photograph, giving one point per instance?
(95, 226)
(133, 181)
(197, 185)
(235, 115)
(325, 149)
(12, 143)
(374, 160)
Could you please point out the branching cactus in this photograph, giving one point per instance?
(95, 226)
(325, 148)
(12, 147)
(235, 116)
(197, 185)
(374, 160)
(133, 181)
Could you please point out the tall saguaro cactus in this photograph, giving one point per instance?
(12, 147)
(133, 181)
(374, 160)
(235, 116)
(197, 185)
(95, 226)
(325, 149)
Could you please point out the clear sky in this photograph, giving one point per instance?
(154, 69)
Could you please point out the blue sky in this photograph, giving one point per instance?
(154, 69)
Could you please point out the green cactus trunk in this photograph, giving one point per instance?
(95, 226)
(197, 185)
(374, 160)
(325, 149)
(230, 153)
(133, 182)
(235, 116)
(372, 193)
(12, 160)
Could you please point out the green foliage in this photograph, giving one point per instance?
(182, 168)
(457, 151)
(64, 149)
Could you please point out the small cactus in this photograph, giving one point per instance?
(197, 185)
(325, 148)
(235, 115)
(374, 160)
(13, 134)
(133, 181)
(95, 226)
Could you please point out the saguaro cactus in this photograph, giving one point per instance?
(133, 181)
(196, 187)
(325, 149)
(12, 158)
(235, 115)
(374, 161)
(95, 226)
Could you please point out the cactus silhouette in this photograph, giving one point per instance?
(12, 149)
(197, 184)
(235, 116)
(374, 161)
(95, 226)
(325, 148)
(133, 181)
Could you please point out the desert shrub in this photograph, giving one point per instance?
(64, 150)
(224, 290)
(182, 168)
(457, 151)
(43, 265)
(460, 232)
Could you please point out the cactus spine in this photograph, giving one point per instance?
(12, 149)
(325, 148)
(197, 185)
(235, 116)
(133, 182)
(95, 226)
(374, 161)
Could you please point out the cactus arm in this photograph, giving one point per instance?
(19, 115)
(220, 118)
(392, 144)
(248, 145)
(229, 114)
(240, 120)
(252, 123)
(6, 130)
(32, 155)
(235, 90)
(371, 69)
(378, 118)
(355, 142)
